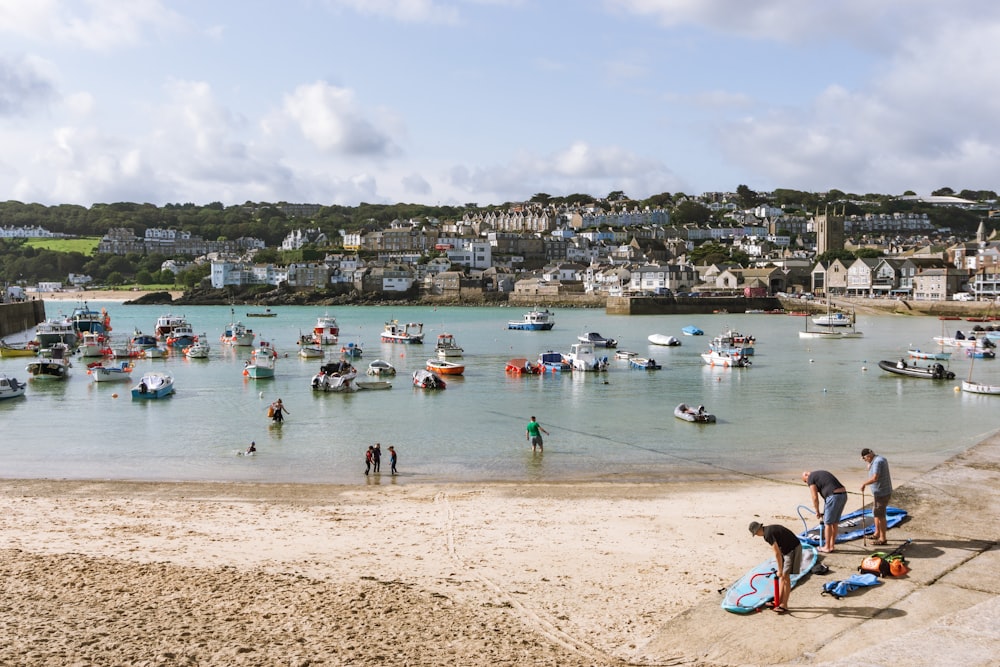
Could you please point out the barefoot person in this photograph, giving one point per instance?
(534, 434)
(787, 555)
(834, 494)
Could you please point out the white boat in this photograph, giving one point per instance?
(53, 367)
(916, 353)
(261, 363)
(842, 329)
(582, 357)
(625, 354)
(165, 324)
(154, 385)
(10, 388)
(731, 339)
(664, 339)
(535, 320)
(111, 372)
(309, 348)
(425, 379)
(834, 319)
(237, 334)
(961, 340)
(92, 345)
(597, 339)
(336, 376)
(381, 368)
(326, 331)
(155, 352)
(980, 388)
(181, 336)
(411, 332)
(644, 364)
(373, 384)
(447, 347)
(56, 330)
(696, 415)
(729, 359)
(200, 349)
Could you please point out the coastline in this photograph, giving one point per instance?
(584, 573)
(120, 296)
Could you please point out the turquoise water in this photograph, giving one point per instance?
(803, 404)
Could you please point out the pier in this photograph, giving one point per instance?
(20, 316)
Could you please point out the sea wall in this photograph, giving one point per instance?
(17, 317)
(671, 305)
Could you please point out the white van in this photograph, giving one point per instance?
(963, 296)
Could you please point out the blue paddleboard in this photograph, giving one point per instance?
(756, 588)
(855, 525)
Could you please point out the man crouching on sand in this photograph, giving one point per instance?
(787, 554)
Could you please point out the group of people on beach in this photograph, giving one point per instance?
(823, 484)
(373, 459)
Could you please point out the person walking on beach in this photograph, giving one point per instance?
(787, 555)
(823, 483)
(376, 457)
(392, 459)
(880, 484)
(534, 434)
(368, 458)
(278, 411)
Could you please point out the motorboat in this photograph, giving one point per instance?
(535, 320)
(92, 345)
(143, 341)
(181, 336)
(154, 352)
(200, 349)
(410, 333)
(84, 320)
(425, 379)
(664, 339)
(916, 353)
(260, 366)
(336, 376)
(443, 367)
(352, 351)
(692, 330)
(122, 349)
(935, 371)
(554, 362)
(10, 350)
(692, 414)
(10, 387)
(309, 348)
(597, 340)
(625, 354)
(326, 331)
(110, 372)
(730, 339)
(165, 324)
(381, 368)
(834, 319)
(980, 352)
(238, 335)
(582, 357)
(726, 359)
(644, 364)
(521, 366)
(154, 384)
(54, 331)
(53, 367)
(447, 347)
(267, 312)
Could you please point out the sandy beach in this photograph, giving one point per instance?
(94, 295)
(502, 574)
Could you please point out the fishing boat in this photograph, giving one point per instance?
(336, 376)
(980, 352)
(935, 371)
(665, 340)
(10, 387)
(583, 357)
(84, 320)
(409, 333)
(200, 349)
(535, 320)
(326, 331)
(260, 366)
(54, 331)
(447, 347)
(352, 351)
(165, 325)
(597, 340)
(92, 345)
(143, 341)
(644, 364)
(10, 350)
(154, 384)
(237, 334)
(381, 368)
(425, 379)
(521, 366)
(726, 359)
(692, 330)
(53, 367)
(691, 414)
(444, 367)
(155, 352)
(309, 348)
(730, 339)
(110, 372)
(181, 336)
(554, 362)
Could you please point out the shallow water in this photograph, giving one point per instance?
(803, 404)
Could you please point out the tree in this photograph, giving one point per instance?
(115, 278)
(691, 212)
(747, 197)
(943, 192)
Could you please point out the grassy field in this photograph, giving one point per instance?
(86, 245)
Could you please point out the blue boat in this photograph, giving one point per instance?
(644, 364)
(154, 385)
(86, 320)
(692, 330)
(536, 320)
(854, 525)
(554, 362)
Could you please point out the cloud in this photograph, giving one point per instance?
(330, 119)
(404, 11)
(22, 87)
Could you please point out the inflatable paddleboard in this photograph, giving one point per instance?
(756, 588)
(855, 525)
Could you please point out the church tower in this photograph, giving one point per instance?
(829, 231)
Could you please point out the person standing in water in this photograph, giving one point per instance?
(534, 434)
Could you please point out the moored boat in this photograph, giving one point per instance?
(625, 354)
(980, 388)
(143, 341)
(521, 366)
(165, 325)
(935, 371)
(181, 336)
(336, 376)
(597, 340)
(692, 330)
(535, 320)
(92, 345)
(267, 312)
(260, 366)
(200, 349)
(84, 320)
(447, 347)
(10, 387)
(53, 367)
(54, 331)
(554, 362)
(691, 414)
(309, 348)
(583, 357)
(425, 379)
(9, 350)
(918, 354)
(111, 372)
(154, 384)
(726, 359)
(381, 368)
(664, 340)
(237, 334)
(644, 364)
(352, 351)
(443, 367)
(834, 319)
(409, 333)
(326, 331)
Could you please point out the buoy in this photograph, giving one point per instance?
(864, 368)
(114, 395)
(260, 395)
(958, 389)
(824, 390)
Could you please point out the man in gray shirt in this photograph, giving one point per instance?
(880, 484)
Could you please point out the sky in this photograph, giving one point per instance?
(451, 102)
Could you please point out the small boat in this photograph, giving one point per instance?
(409, 333)
(980, 388)
(381, 368)
(352, 350)
(373, 384)
(165, 325)
(85, 319)
(644, 364)
(10, 388)
(554, 362)
(260, 366)
(154, 385)
(200, 349)
(442, 367)
(625, 354)
(447, 347)
(326, 331)
(535, 320)
(521, 366)
(425, 379)
(336, 376)
(696, 415)
(962, 340)
(582, 357)
(111, 373)
(154, 352)
(181, 336)
(730, 339)
(692, 330)
(664, 339)
(727, 359)
(597, 340)
(833, 319)
(933, 372)
(53, 367)
(937, 356)
(980, 353)
(142, 341)
(237, 334)
(267, 312)
(29, 349)
(309, 348)
(92, 345)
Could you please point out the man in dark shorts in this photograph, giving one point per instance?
(823, 483)
(787, 555)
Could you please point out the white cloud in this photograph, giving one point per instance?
(23, 87)
(331, 120)
(405, 11)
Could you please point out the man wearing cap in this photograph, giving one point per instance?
(880, 484)
(823, 483)
(787, 555)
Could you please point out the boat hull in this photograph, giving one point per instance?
(935, 372)
(694, 415)
(153, 386)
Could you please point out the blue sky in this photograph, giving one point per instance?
(489, 101)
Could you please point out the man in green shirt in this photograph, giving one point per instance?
(534, 434)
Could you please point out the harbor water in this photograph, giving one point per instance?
(803, 404)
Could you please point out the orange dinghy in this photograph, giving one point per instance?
(442, 367)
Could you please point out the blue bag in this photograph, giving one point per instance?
(839, 589)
